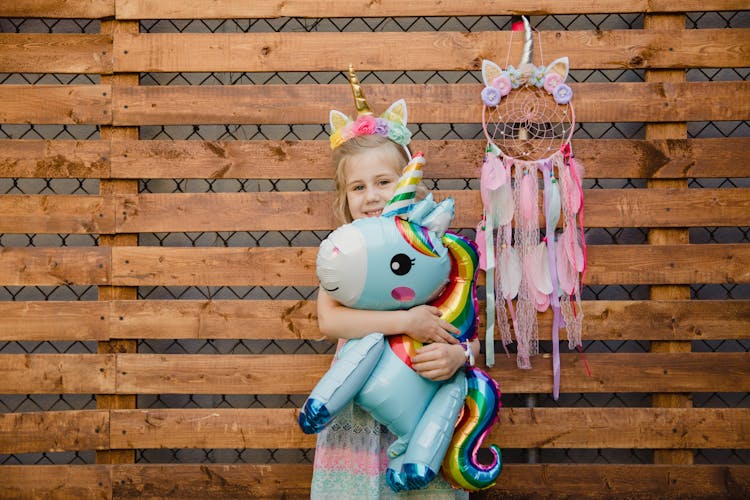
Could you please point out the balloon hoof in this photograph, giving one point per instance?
(393, 479)
(417, 476)
(313, 417)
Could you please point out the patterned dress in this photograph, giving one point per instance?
(351, 459)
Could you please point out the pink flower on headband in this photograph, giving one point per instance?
(502, 84)
(365, 125)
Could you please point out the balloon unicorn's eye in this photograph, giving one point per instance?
(401, 264)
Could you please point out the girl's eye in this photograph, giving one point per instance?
(385, 182)
(358, 188)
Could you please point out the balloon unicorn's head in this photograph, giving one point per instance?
(394, 261)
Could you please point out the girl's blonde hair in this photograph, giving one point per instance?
(357, 145)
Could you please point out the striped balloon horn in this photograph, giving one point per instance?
(405, 195)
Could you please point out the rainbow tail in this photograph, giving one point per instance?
(460, 466)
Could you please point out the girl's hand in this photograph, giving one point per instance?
(424, 324)
(439, 361)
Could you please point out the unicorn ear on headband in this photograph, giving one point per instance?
(391, 124)
(434, 216)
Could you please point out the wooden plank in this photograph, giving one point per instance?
(212, 481)
(428, 51)
(282, 266)
(54, 266)
(445, 103)
(229, 481)
(451, 159)
(227, 9)
(674, 130)
(620, 481)
(298, 373)
(516, 428)
(622, 428)
(517, 480)
(57, 373)
(208, 428)
(297, 319)
(188, 212)
(71, 9)
(141, 266)
(54, 158)
(56, 104)
(277, 319)
(55, 320)
(71, 214)
(46, 431)
(114, 187)
(55, 53)
(668, 264)
(27, 482)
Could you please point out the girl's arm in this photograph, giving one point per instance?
(422, 323)
(441, 361)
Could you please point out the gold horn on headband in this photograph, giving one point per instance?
(359, 97)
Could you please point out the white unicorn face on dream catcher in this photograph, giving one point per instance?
(527, 111)
(528, 119)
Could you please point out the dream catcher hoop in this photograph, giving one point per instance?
(528, 119)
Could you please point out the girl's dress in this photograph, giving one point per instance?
(351, 459)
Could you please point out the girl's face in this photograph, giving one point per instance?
(371, 180)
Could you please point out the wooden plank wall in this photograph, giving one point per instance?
(666, 159)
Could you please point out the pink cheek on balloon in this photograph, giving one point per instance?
(403, 294)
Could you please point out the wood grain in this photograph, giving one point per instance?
(74, 482)
(55, 53)
(72, 214)
(428, 51)
(227, 9)
(516, 428)
(50, 431)
(54, 266)
(54, 158)
(446, 159)
(297, 320)
(57, 374)
(56, 104)
(298, 373)
(75, 9)
(183, 212)
(281, 266)
(230, 481)
(55, 320)
(454, 103)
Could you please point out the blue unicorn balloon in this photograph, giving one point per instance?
(402, 259)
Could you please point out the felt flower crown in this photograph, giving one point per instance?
(391, 124)
(498, 82)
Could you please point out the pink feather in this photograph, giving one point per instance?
(528, 202)
(573, 194)
(566, 274)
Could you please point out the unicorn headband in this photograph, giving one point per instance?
(391, 124)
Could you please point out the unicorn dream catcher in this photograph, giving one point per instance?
(404, 258)
(528, 120)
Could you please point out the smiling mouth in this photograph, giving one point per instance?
(374, 213)
(330, 289)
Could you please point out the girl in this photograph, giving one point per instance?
(350, 459)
